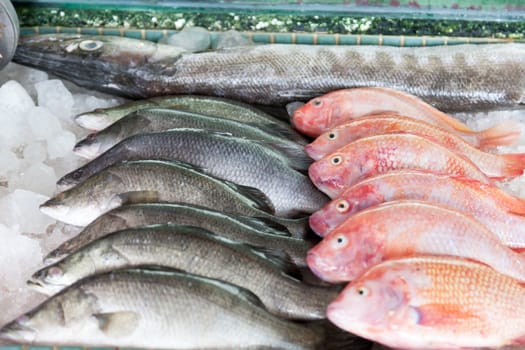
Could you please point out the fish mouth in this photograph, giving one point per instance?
(93, 121)
(87, 148)
(17, 332)
(55, 208)
(318, 224)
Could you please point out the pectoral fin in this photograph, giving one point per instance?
(117, 324)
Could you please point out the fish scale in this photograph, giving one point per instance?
(238, 160)
(378, 154)
(433, 302)
(462, 77)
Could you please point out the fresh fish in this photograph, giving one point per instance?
(375, 155)
(252, 231)
(405, 228)
(207, 105)
(158, 181)
(433, 303)
(195, 251)
(165, 311)
(496, 166)
(241, 161)
(338, 107)
(461, 77)
(148, 120)
(500, 212)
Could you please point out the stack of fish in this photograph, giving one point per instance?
(212, 198)
(416, 222)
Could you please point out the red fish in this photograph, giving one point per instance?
(379, 154)
(502, 213)
(404, 228)
(433, 303)
(493, 165)
(335, 108)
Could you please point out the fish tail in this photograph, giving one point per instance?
(513, 164)
(505, 133)
(298, 228)
(338, 339)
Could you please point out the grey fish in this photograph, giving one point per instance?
(156, 310)
(148, 120)
(195, 251)
(254, 232)
(158, 181)
(207, 105)
(238, 160)
(451, 78)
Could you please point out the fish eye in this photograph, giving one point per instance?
(317, 102)
(339, 241)
(55, 272)
(90, 45)
(363, 291)
(342, 206)
(332, 135)
(336, 160)
(78, 174)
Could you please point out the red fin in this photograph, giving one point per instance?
(505, 133)
(431, 315)
(514, 164)
(520, 250)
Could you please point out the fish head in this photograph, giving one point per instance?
(86, 201)
(89, 147)
(344, 254)
(95, 120)
(60, 318)
(336, 211)
(19, 331)
(325, 143)
(334, 172)
(52, 279)
(114, 64)
(317, 115)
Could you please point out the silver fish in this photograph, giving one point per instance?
(195, 251)
(156, 119)
(208, 105)
(158, 181)
(158, 310)
(451, 78)
(252, 231)
(238, 160)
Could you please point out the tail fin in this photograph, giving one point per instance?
(505, 133)
(338, 339)
(514, 164)
(298, 228)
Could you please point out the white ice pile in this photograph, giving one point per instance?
(37, 134)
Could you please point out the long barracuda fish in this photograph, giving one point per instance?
(452, 78)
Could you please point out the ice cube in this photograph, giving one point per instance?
(43, 124)
(231, 38)
(38, 177)
(57, 98)
(14, 98)
(35, 152)
(61, 145)
(192, 39)
(8, 161)
(20, 211)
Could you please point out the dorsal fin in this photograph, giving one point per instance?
(261, 201)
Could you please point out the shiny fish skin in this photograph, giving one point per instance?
(241, 229)
(338, 107)
(195, 251)
(148, 120)
(433, 303)
(241, 161)
(207, 105)
(405, 228)
(158, 310)
(157, 181)
(502, 213)
(379, 154)
(462, 77)
(497, 166)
